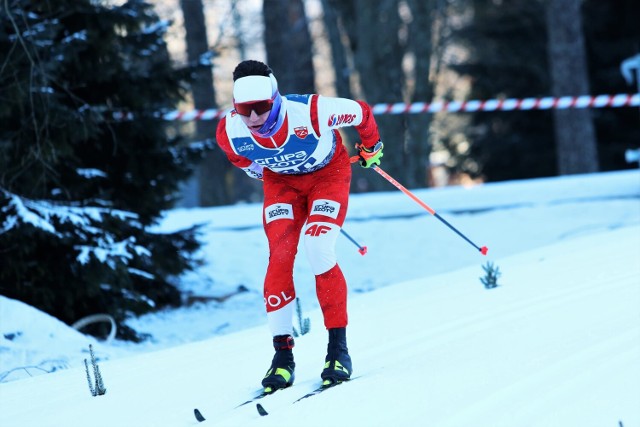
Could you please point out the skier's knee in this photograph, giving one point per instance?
(319, 243)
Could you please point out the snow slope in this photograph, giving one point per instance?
(557, 344)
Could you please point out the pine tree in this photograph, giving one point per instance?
(86, 164)
(303, 323)
(491, 275)
(96, 385)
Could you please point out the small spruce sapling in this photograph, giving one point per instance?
(492, 273)
(305, 324)
(97, 385)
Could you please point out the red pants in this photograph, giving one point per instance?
(320, 200)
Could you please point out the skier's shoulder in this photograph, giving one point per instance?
(232, 124)
(300, 98)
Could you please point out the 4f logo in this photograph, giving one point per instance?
(315, 230)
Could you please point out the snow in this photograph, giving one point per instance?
(556, 344)
(44, 214)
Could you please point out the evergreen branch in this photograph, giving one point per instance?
(96, 387)
(86, 368)
(492, 273)
(305, 324)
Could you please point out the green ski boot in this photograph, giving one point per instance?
(281, 373)
(337, 366)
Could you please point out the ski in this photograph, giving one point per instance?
(261, 410)
(198, 415)
(262, 394)
(257, 397)
(317, 391)
(323, 387)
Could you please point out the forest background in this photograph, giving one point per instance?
(424, 51)
(88, 164)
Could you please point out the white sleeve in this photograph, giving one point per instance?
(254, 170)
(335, 113)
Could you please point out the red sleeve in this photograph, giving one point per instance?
(223, 142)
(314, 114)
(368, 129)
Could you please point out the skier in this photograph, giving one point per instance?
(291, 143)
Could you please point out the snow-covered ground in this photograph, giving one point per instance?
(556, 344)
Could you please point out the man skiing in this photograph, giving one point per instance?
(291, 144)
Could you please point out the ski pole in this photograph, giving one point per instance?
(483, 250)
(361, 249)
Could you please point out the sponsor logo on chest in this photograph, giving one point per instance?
(301, 132)
(283, 160)
(246, 147)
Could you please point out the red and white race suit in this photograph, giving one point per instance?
(307, 174)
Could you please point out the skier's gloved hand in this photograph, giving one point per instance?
(370, 156)
(254, 170)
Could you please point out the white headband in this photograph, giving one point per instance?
(254, 88)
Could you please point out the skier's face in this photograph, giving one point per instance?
(254, 121)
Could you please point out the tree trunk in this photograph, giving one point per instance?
(418, 144)
(212, 171)
(338, 52)
(574, 132)
(378, 59)
(288, 44)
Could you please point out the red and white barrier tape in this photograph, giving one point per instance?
(564, 102)
(510, 104)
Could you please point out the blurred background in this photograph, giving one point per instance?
(426, 51)
(89, 161)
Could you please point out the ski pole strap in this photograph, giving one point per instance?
(283, 342)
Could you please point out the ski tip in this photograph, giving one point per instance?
(261, 410)
(198, 415)
(484, 250)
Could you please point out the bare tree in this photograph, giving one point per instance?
(378, 58)
(213, 169)
(335, 32)
(418, 145)
(378, 40)
(288, 44)
(576, 145)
